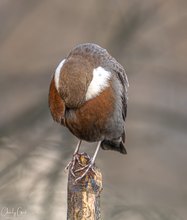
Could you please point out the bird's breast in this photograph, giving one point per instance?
(89, 122)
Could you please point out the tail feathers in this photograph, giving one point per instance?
(116, 145)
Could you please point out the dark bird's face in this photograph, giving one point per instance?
(72, 78)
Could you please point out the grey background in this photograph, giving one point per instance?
(150, 39)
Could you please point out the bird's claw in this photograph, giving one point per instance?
(87, 167)
(81, 167)
(67, 166)
(71, 165)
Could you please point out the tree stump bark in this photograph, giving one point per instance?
(84, 195)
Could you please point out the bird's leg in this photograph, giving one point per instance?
(77, 147)
(89, 165)
(72, 162)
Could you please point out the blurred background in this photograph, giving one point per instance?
(149, 38)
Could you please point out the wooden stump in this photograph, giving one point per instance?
(84, 195)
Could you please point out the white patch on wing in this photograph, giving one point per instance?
(57, 73)
(99, 82)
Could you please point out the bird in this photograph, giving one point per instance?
(88, 95)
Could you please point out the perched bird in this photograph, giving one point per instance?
(88, 95)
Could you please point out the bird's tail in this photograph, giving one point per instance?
(115, 144)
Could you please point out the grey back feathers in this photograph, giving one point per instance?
(101, 57)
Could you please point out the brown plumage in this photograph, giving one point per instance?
(88, 95)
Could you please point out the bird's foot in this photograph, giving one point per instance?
(87, 167)
(71, 165)
(76, 160)
(80, 165)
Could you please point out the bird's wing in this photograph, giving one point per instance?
(120, 72)
(121, 75)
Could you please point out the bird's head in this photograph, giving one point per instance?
(72, 78)
(82, 76)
